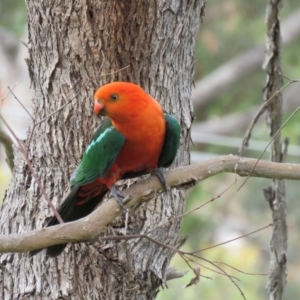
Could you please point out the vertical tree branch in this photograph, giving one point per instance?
(275, 194)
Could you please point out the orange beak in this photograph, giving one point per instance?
(98, 108)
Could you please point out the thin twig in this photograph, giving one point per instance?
(13, 87)
(271, 140)
(238, 270)
(22, 149)
(29, 114)
(183, 254)
(193, 209)
(235, 239)
(256, 117)
(137, 236)
(222, 272)
(203, 266)
(231, 278)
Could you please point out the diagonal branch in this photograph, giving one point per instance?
(181, 178)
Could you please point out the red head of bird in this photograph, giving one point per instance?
(121, 101)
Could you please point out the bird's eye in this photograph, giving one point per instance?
(114, 97)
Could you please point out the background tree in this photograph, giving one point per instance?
(73, 49)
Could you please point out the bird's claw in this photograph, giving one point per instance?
(118, 196)
(159, 173)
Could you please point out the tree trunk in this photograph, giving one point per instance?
(74, 48)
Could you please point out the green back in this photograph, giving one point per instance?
(171, 143)
(100, 154)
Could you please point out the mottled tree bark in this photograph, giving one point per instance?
(74, 48)
(275, 194)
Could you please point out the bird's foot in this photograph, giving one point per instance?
(159, 173)
(118, 196)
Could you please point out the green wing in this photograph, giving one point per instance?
(171, 143)
(100, 154)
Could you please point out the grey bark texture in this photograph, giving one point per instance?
(74, 48)
(275, 194)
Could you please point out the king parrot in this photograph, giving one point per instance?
(137, 138)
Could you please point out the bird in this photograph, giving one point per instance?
(138, 137)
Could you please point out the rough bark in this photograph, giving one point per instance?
(275, 194)
(74, 47)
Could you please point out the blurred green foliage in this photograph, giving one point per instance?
(230, 28)
(13, 15)
(13, 19)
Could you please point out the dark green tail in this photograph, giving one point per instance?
(69, 212)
